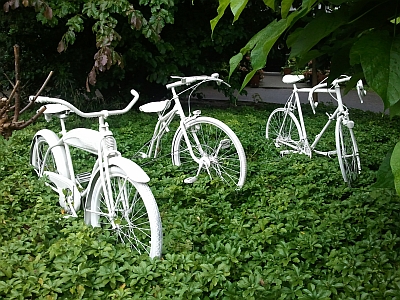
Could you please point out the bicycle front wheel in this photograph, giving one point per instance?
(347, 150)
(284, 129)
(133, 214)
(216, 146)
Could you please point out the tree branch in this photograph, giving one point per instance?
(38, 93)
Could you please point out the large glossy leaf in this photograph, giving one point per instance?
(315, 31)
(237, 7)
(270, 4)
(234, 62)
(285, 7)
(384, 176)
(395, 166)
(259, 45)
(379, 54)
(223, 4)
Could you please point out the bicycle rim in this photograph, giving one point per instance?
(135, 219)
(218, 146)
(347, 151)
(284, 129)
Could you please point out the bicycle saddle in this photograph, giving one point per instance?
(292, 78)
(155, 106)
(53, 109)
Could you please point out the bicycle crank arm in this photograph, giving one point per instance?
(223, 144)
(206, 163)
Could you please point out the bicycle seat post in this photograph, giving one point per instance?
(62, 122)
(178, 104)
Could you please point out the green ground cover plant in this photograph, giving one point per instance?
(294, 231)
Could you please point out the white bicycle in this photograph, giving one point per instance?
(289, 132)
(116, 191)
(200, 143)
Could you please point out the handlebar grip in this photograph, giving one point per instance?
(41, 99)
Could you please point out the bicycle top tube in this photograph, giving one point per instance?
(103, 113)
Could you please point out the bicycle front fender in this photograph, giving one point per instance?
(132, 170)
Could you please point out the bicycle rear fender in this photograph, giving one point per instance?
(58, 152)
(177, 132)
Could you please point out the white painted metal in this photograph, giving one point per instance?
(50, 155)
(291, 113)
(200, 158)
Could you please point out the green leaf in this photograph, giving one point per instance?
(237, 7)
(270, 3)
(223, 4)
(315, 31)
(260, 45)
(395, 165)
(384, 175)
(381, 64)
(285, 7)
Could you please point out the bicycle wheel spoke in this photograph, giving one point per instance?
(347, 151)
(284, 129)
(215, 146)
(130, 219)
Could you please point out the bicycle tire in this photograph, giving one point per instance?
(222, 150)
(136, 220)
(347, 150)
(285, 130)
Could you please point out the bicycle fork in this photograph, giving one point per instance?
(107, 149)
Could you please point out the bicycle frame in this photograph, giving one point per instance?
(164, 121)
(104, 150)
(99, 142)
(341, 109)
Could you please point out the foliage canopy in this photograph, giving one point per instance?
(140, 43)
(360, 37)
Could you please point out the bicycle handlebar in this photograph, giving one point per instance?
(360, 89)
(104, 113)
(189, 80)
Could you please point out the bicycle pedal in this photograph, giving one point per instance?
(190, 179)
(142, 155)
(225, 144)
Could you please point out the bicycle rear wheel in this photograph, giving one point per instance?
(135, 218)
(216, 145)
(284, 129)
(347, 150)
